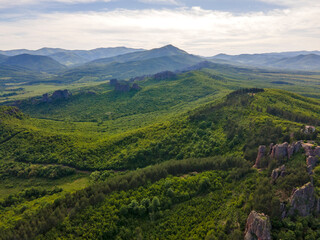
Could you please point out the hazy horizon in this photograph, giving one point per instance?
(75, 49)
(201, 27)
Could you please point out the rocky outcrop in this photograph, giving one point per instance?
(280, 151)
(122, 87)
(309, 129)
(125, 87)
(258, 227)
(312, 162)
(303, 200)
(311, 150)
(61, 94)
(164, 75)
(294, 148)
(261, 154)
(278, 172)
(57, 95)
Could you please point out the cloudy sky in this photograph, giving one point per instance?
(204, 27)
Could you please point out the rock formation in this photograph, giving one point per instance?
(57, 95)
(294, 148)
(278, 172)
(309, 129)
(122, 87)
(125, 87)
(261, 154)
(303, 200)
(164, 75)
(61, 94)
(258, 227)
(280, 151)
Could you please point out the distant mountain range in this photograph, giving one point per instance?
(61, 66)
(73, 57)
(134, 64)
(122, 66)
(301, 60)
(34, 63)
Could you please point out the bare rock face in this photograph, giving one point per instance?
(303, 200)
(312, 161)
(261, 153)
(258, 227)
(278, 172)
(280, 151)
(294, 148)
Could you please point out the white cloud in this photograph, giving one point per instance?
(293, 3)
(10, 3)
(195, 30)
(165, 2)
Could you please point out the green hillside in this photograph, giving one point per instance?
(206, 193)
(165, 51)
(172, 160)
(103, 71)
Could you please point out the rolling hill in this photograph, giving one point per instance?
(165, 51)
(73, 57)
(199, 136)
(310, 62)
(34, 63)
(3, 58)
(126, 70)
(302, 60)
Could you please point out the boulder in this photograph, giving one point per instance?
(261, 153)
(302, 200)
(258, 227)
(278, 172)
(280, 151)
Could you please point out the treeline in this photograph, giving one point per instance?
(28, 194)
(25, 170)
(291, 116)
(51, 215)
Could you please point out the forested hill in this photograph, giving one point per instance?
(236, 124)
(201, 168)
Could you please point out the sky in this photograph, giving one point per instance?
(202, 27)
